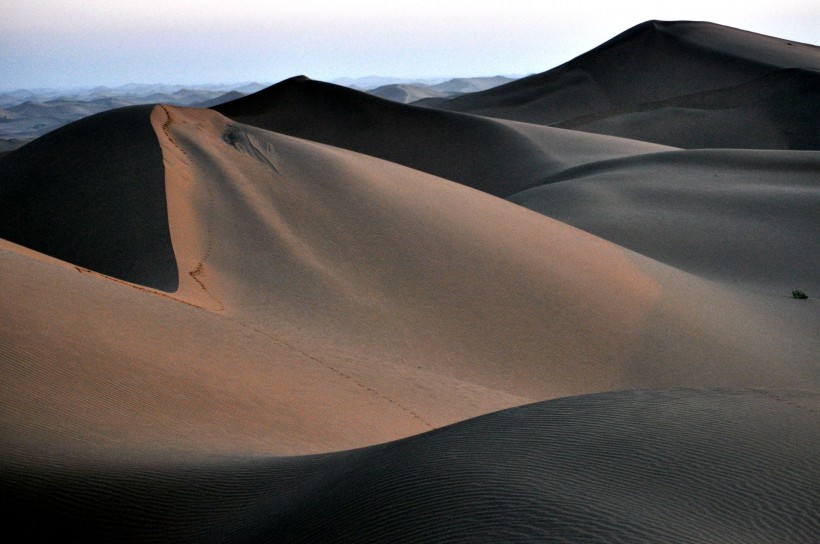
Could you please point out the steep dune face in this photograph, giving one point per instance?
(650, 62)
(682, 465)
(93, 194)
(496, 157)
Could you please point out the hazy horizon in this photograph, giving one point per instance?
(67, 43)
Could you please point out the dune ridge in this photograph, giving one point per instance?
(652, 61)
(93, 194)
(314, 315)
(493, 156)
(777, 111)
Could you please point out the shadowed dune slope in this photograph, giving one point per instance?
(663, 465)
(738, 216)
(406, 93)
(778, 111)
(93, 194)
(493, 156)
(652, 61)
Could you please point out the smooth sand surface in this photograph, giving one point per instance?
(214, 331)
(419, 299)
(738, 216)
(777, 111)
(493, 156)
(652, 61)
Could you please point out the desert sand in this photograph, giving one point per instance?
(311, 314)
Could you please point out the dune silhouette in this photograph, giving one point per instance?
(494, 156)
(93, 194)
(776, 111)
(310, 314)
(653, 61)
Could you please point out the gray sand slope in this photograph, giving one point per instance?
(648, 466)
(737, 216)
(213, 331)
(493, 156)
(780, 110)
(653, 61)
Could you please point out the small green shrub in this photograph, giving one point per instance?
(797, 293)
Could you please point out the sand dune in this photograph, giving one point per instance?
(680, 465)
(93, 194)
(652, 61)
(298, 259)
(96, 369)
(493, 156)
(777, 111)
(743, 217)
(308, 316)
(405, 93)
(328, 253)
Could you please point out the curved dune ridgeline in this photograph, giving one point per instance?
(313, 315)
(776, 111)
(497, 157)
(652, 61)
(93, 194)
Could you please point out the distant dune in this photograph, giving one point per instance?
(780, 110)
(406, 93)
(310, 314)
(28, 115)
(653, 61)
(221, 99)
(494, 156)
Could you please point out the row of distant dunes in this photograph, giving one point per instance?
(556, 310)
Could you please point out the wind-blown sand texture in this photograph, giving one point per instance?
(673, 465)
(296, 318)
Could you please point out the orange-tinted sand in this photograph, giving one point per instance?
(189, 295)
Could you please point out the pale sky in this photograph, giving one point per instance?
(83, 43)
